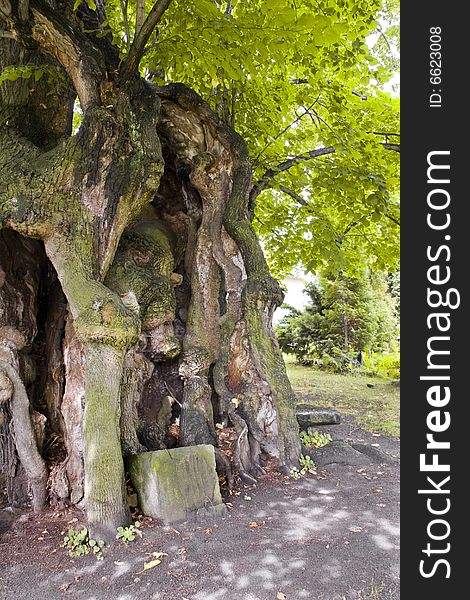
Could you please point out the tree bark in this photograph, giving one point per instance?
(105, 493)
(248, 366)
(24, 434)
(78, 196)
(156, 258)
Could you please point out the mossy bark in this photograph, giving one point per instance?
(78, 194)
(120, 233)
(236, 338)
(105, 494)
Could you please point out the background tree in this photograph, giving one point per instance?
(132, 282)
(345, 316)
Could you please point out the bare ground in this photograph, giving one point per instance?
(329, 536)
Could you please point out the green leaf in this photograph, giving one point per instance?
(90, 3)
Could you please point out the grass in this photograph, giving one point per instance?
(376, 408)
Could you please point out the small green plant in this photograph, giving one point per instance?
(79, 543)
(129, 534)
(315, 439)
(307, 466)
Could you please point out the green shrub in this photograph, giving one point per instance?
(387, 364)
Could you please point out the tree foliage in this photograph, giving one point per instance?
(296, 77)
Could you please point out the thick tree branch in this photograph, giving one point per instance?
(293, 195)
(139, 16)
(394, 147)
(131, 62)
(270, 174)
(57, 37)
(125, 20)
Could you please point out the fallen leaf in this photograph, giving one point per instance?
(253, 525)
(208, 530)
(355, 528)
(151, 564)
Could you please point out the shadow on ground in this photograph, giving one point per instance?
(330, 536)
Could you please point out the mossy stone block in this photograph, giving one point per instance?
(310, 415)
(177, 485)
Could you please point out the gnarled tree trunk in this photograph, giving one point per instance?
(159, 298)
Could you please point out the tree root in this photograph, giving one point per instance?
(25, 439)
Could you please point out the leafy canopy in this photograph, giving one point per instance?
(293, 76)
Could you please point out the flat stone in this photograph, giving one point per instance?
(177, 485)
(375, 454)
(310, 415)
(338, 452)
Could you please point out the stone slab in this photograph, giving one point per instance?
(310, 415)
(177, 485)
(338, 452)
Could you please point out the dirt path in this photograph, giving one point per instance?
(332, 536)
